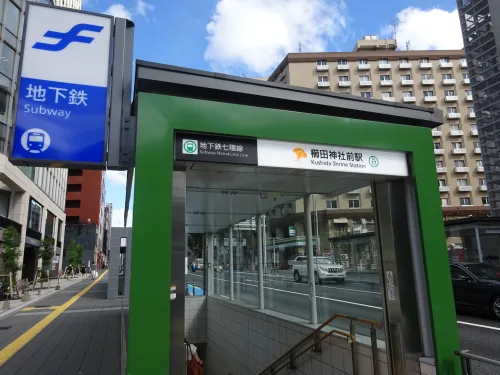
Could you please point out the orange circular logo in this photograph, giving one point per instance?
(300, 153)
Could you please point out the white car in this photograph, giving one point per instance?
(324, 270)
(199, 263)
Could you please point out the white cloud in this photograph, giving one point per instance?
(427, 29)
(257, 34)
(118, 217)
(117, 177)
(119, 10)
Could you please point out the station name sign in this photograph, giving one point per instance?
(215, 149)
(277, 154)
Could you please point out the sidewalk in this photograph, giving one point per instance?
(74, 331)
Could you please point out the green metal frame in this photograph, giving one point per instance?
(160, 115)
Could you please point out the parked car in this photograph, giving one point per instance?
(476, 286)
(199, 263)
(324, 270)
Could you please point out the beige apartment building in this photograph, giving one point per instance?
(437, 78)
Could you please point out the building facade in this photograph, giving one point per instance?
(440, 79)
(480, 21)
(85, 211)
(32, 199)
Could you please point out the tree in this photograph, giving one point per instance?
(73, 254)
(79, 252)
(46, 254)
(11, 252)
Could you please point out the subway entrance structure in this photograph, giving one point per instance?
(217, 156)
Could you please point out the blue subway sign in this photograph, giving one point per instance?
(62, 98)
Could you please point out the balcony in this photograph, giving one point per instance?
(344, 83)
(477, 150)
(389, 98)
(453, 115)
(425, 65)
(409, 99)
(474, 132)
(449, 81)
(471, 115)
(446, 65)
(384, 66)
(456, 133)
(430, 99)
(323, 84)
(407, 82)
(437, 133)
(483, 188)
(438, 151)
(468, 98)
(404, 66)
(428, 82)
(441, 169)
(322, 68)
(365, 83)
(363, 66)
(463, 64)
(480, 169)
(461, 169)
(444, 189)
(385, 83)
(459, 151)
(342, 66)
(451, 98)
(463, 188)
(467, 81)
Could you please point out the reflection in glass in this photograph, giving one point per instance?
(7, 61)
(12, 19)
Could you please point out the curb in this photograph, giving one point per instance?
(31, 301)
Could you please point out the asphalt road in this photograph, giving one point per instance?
(479, 334)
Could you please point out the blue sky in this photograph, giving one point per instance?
(251, 37)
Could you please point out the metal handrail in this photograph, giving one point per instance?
(350, 338)
(465, 358)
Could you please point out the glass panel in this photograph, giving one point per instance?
(2, 3)
(13, 18)
(10, 38)
(4, 101)
(196, 265)
(4, 203)
(35, 214)
(59, 232)
(49, 224)
(7, 61)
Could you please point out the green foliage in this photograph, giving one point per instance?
(46, 252)
(11, 252)
(75, 254)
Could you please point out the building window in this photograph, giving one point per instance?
(4, 203)
(385, 77)
(59, 230)
(322, 63)
(342, 62)
(439, 164)
(364, 78)
(323, 79)
(406, 77)
(463, 61)
(444, 202)
(465, 75)
(353, 203)
(363, 62)
(331, 204)
(72, 219)
(75, 172)
(482, 182)
(73, 203)
(460, 163)
(447, 76)
(387, 94)
(404, 61)
(424, 60)
(4, 99)
(13, 17)
(449, 93)
(468, 92)
(7, 61)
(462, 182)
(437, 146)
(457, 145)
(407, 94)
(49, 224)
(479, 163)
(343, 78)
(444, 59)
(366, 94)
(451, 109)
(34, 215)
(465, 201)
(442, 182)
(471, 110)
(428, 94)
(454, 126)
(383, 61)
(476, 145)
(485, 201)
(426, 76)
(72, 188)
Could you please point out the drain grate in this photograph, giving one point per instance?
(5, 328)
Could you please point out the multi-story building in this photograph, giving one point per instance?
(375, 69)
(108, 223)
(31, 199)
(85, 211)
(481, 33)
